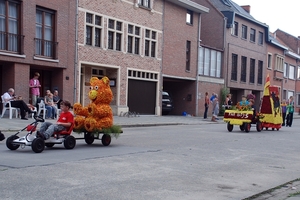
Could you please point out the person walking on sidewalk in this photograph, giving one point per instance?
(65, 120)
(206, 105)
(290, 112)
(215, 109)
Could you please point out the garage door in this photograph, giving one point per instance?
(141, 96)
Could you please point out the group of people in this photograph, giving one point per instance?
(214, 100)
(287, 111)
(52, 103)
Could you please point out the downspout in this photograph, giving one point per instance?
(225, 62)
(197, 69)
(161, 82)
(76, 53)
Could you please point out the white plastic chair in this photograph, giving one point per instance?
(42, 107)
(10, 108)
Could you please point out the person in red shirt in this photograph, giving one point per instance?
(64, 121)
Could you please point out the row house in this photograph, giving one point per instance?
(122, 40)
(244, 49)
(38, 36)
(291, 68)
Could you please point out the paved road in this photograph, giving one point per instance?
(196, 161)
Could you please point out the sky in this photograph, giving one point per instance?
(277, 14)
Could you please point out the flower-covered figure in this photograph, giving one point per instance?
(98, 114)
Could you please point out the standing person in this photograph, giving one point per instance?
(65, 120)
(34, 85)
(215, 109)
(10, 96)
(228, 101)
(290, 112)
(283, 107)
(206, 105)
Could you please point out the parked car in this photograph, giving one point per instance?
(167, 103)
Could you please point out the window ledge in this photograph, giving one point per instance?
(13, 55)
(45, 59)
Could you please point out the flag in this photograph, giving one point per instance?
(266, 88)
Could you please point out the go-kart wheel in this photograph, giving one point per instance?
(38, 145)
(242, 128)
(229, 127)
(267, 128)
(49, 145)
(106, 139)
(9, 143)
(247, 127)
(259, 126)
(70, 142)
(273, 129)
(89, 138)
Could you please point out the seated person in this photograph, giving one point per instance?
(251, 103)
(244, 101)
(49, 105)
(9, 96)
(65, 120)
(56, 99)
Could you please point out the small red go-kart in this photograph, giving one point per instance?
(38, 144)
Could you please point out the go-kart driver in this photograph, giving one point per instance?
(64, 121)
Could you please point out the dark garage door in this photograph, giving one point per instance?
(141, 96)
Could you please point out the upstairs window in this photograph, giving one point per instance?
(292, 72)
(134, 37)
(115, 35)
(260, 72)
(209, 62)
(235, 28)
(252, 35)
(269, 61)
(93, 30)
(44, 33)
(144, 3)
(189, 17)
(188, 56)
(10, 40)
(260, 38)
(244, 69)
(244, 32)
(252, 71)
(150, 43)
(285, 69)
(279, 63)
(234, 67)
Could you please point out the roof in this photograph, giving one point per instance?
(190, 5)
(230, 9)
(273, 40)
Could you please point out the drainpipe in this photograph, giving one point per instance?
(76, 54)
(197, 69)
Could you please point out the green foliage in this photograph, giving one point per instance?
(114, 131)
(224, 92)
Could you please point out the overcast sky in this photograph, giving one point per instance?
(277, 14)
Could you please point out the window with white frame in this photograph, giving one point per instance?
(285, 69)
(115, 34)
(210, 62)
(279, 63)
(144, 3)
(134, 37)
(269, 61)
(298, 73)
(93, 30)
(150, 43)
(284, 93)
(298, 99)
(290, 94)
(235, 28)
(292, 72)
(189, 17)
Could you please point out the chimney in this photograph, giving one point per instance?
(246, 8)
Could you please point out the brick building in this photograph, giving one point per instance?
(122, 40)
(38, 36)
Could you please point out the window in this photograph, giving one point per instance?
(189, 17)
(144, 3)
(260, 38)
(244, 32)
(269, 61)
(209, 62)
(114, 35)
(234, 67)
(134, 36)
(279, 63)
(98, 73)
(252, 35)
(284, 93)
(252, 70)
(188, 56)
(243, 68)
(298, 73)
(150, 43)
(260, 72)
(285, 69)
(10, 40)
(44, 33)
(292, 72)
(235, 28)
(93, 32)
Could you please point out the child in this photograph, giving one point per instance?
(65, 120)
(283, 107)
